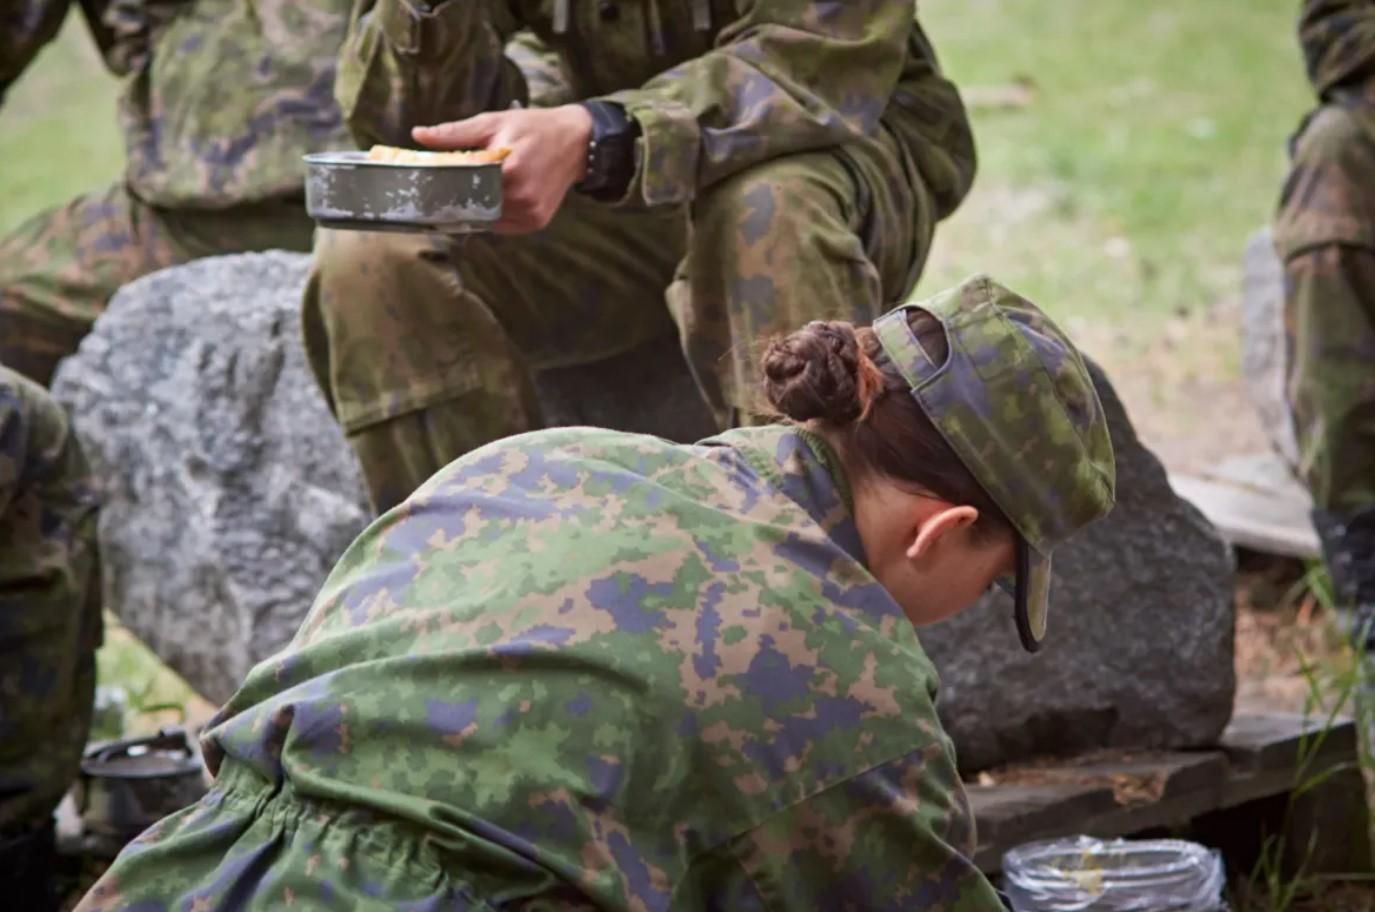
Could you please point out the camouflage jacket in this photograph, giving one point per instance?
(599, 670)
(716, 85)
(221, 97)
(49, 608)
(1338, 39)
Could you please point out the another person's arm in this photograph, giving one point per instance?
(1338, 38)
(408, 63)
(787, 76)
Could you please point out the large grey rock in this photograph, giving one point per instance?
(1139, 653)
(232, 492)
(1263, 342)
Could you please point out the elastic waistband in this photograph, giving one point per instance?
(388, 840)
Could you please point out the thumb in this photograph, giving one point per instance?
(472, 133)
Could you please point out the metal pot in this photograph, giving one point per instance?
(127, 786)
(345, 190)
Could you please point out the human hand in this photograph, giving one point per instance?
(548, 156)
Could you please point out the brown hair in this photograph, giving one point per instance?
(839, 377)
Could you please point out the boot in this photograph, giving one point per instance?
(28, 857)
(1348, 546)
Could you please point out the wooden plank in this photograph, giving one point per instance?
(1121, 793)
(1252, 518)
(1273, 740)
(1264, 750)
(1109, 796)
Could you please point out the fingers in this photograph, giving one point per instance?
(473, 133)
(527, 208)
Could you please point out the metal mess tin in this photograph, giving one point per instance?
(345, 190)
(127, 786)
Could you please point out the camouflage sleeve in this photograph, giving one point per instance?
(49, 601)
(406, 63)
(895, 837)
(25, 27)
(1338, 39)
(787, 76)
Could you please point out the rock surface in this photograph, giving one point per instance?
(1139, 651)
(232, 492)
(1263, 342)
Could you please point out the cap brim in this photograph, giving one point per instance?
(1032, 598)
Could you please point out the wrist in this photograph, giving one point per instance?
(577, 127)
(610, 155)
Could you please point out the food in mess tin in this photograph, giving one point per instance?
(393, 155)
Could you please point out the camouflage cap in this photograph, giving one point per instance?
(1016, 403)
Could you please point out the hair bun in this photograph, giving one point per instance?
(817, 372)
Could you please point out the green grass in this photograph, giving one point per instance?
(149, 693)
(1154, 146)
(58, 133)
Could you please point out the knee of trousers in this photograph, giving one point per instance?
(1329, 196)
(802, 201)
(849, 225)
(762, 236)
(358, 274)
(389, 328)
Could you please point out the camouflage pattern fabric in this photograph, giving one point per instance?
(1325, 234)
(49, 603)
(716, 85)
(1338, 41)
(59, 269)
(1015, 401)
(221, 99)
(804, 154)
(581, 669)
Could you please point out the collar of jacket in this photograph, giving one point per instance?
(803, 467)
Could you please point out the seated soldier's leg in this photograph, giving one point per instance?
(58, 269)
(424, 345)
(1325, 234)
(49, 630)
(828, 235)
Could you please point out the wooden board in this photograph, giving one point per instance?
(1265, 752)
(1101, 798)
(1255, 502)
(1124, 793)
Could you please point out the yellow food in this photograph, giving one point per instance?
(395, 156)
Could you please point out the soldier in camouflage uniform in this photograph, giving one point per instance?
(49, 630)
(1325, 234)
(583, 669)
(760, 163)
(221, 99)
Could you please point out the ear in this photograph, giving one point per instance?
(937, 526)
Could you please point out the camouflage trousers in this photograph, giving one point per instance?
(424, 346)
(49, 620)
(58, 269)
(1325, 234)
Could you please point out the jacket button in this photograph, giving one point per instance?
(608, 10)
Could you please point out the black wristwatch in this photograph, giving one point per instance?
(610, 151)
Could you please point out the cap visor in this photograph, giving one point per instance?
(1032, 598)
